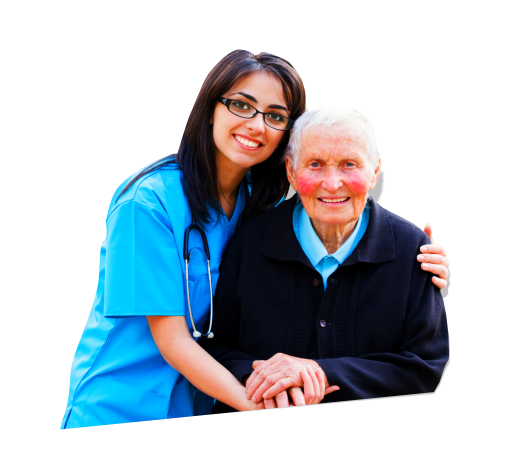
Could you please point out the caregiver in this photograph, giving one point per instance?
(136, 359)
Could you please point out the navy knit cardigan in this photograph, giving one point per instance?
(378, 330)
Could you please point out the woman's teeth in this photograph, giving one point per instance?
(336, 200)
(247, 143)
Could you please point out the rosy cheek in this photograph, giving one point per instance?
(357, 183)
(307, 185)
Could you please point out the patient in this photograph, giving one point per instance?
(328, 280)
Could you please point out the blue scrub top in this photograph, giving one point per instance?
(118, 374)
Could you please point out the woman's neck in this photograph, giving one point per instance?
(334, 236)
(229, 177)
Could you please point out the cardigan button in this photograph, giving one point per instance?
(322, 323)
(316, 282)
(334, 281)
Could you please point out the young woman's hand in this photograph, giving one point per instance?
(433, 259)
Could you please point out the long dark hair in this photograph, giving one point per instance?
(196, 155)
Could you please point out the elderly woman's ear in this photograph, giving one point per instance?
(289, 163)
(376, 176)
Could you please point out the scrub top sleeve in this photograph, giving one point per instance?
(143, 269)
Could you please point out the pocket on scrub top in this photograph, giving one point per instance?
(111, 402)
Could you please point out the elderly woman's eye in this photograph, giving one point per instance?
(314, 164)
(350, 164)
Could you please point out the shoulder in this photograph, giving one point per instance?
(151, 191)
(257, 224)
(404, 232)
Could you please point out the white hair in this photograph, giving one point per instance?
(347, 117)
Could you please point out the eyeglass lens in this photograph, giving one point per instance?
(273, 119)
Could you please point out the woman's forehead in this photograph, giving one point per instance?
(263, 86)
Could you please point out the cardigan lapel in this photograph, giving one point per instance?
(376, 246)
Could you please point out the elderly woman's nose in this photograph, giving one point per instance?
(333, 179)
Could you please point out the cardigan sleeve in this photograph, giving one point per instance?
(223, 347)
(419, 361)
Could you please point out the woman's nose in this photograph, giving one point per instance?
(256, 124)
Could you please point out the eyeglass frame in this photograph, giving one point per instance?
(227, 102)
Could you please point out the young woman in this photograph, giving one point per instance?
(137, 359)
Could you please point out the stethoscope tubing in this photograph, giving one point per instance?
(186, 256)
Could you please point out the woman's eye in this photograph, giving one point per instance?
(350, 164)
(314, 164)
(278, 118)
(241, 105)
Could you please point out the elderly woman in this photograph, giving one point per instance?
(328, 282)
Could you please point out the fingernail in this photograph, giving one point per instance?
(421, 257)
(424, 266)
(424, 249)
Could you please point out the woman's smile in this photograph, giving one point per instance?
(247, 142)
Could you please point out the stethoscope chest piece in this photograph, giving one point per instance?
(186, 256)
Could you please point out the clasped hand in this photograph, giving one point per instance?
(281, 376)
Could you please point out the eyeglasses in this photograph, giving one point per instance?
(242, 109)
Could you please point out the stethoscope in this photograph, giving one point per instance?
(186, 256)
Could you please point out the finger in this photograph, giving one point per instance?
(315, 383)
(296, 394)
(273, 385)
(261, 379)
(258, 366)
(269, 403)
(308, 386)
(428, 231)
(282, 399)
(257, 362)
(440, 270)
(435, 259)
(282, 384)
(320, 379)
(440, 283)
(434, 248)
(331, 389)
(260, 405)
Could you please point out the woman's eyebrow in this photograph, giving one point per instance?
(253, 99)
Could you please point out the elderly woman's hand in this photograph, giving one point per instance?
(433, 259)
(281, 372)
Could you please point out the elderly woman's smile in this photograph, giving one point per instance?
(332, 175)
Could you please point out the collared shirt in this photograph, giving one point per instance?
(315, 251)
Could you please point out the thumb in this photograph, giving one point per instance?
(428, 231)
(331, 389)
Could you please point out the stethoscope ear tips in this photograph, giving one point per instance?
(210, 335)
(197, 334)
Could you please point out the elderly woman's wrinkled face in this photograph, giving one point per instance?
(333, 174)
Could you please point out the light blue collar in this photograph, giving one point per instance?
(312, 245)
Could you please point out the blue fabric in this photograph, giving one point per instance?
(118, 374)
(313, 248)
